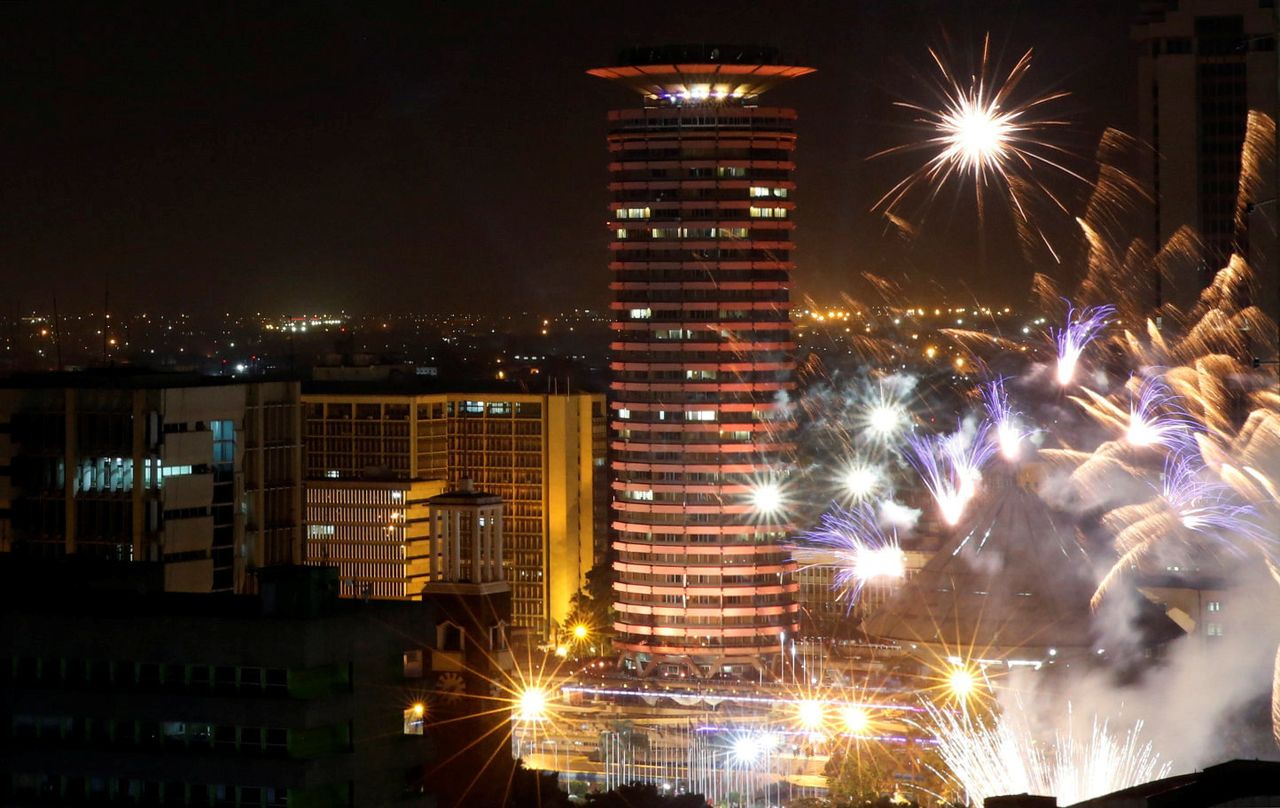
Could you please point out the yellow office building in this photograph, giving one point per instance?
(543, 454)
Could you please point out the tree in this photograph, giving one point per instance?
(644, 795)
(859, 774)
(531, 788)
(592, 605)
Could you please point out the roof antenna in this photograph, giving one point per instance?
(106, 316)
(57, 334)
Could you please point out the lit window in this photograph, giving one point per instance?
(624, 413)
(731, 171)
(700, 374)
(700, 415)
(646, 496)
(757, 190)
(333, 474)
(320, 531)
(1214, 629)
(767, 213)
(1214, 606)
(620, 232)
(633, 213)
(641, 314)
(415, 719)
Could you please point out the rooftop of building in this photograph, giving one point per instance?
(75, 587)
(426, 385)
(466, 493)
(122, 378)
(1234, 780)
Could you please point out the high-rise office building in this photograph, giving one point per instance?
(1203, 66)
(542, 454)
(701, 221)
(200, 474)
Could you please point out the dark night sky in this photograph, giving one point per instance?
(450, 156)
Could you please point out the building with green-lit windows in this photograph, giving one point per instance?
(200, 474)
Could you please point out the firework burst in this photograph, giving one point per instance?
(863, 552)
(981, 132)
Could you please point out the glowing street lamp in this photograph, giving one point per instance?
(809, 714)
(746, 750)
(962, 682)
(580, 632)
(532, 704)
(855, 719)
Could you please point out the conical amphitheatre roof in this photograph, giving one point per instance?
(1009, 581)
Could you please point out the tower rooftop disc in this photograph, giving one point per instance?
(701, 72)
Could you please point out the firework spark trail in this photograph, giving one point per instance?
(1190, 502)
(988, 759)
(930, 462)
(864, 552)
(1082, 327)
(1154, 417)
(1203, 505)
(1157, 418)
(1009, 431)
(968, 452)
(950, 467)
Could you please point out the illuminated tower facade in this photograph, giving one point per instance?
(701, 220)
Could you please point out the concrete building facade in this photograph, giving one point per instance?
(202, 475)
(543, 455)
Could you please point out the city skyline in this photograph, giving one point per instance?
(737, 406)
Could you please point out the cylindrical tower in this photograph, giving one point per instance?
(702, 357)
